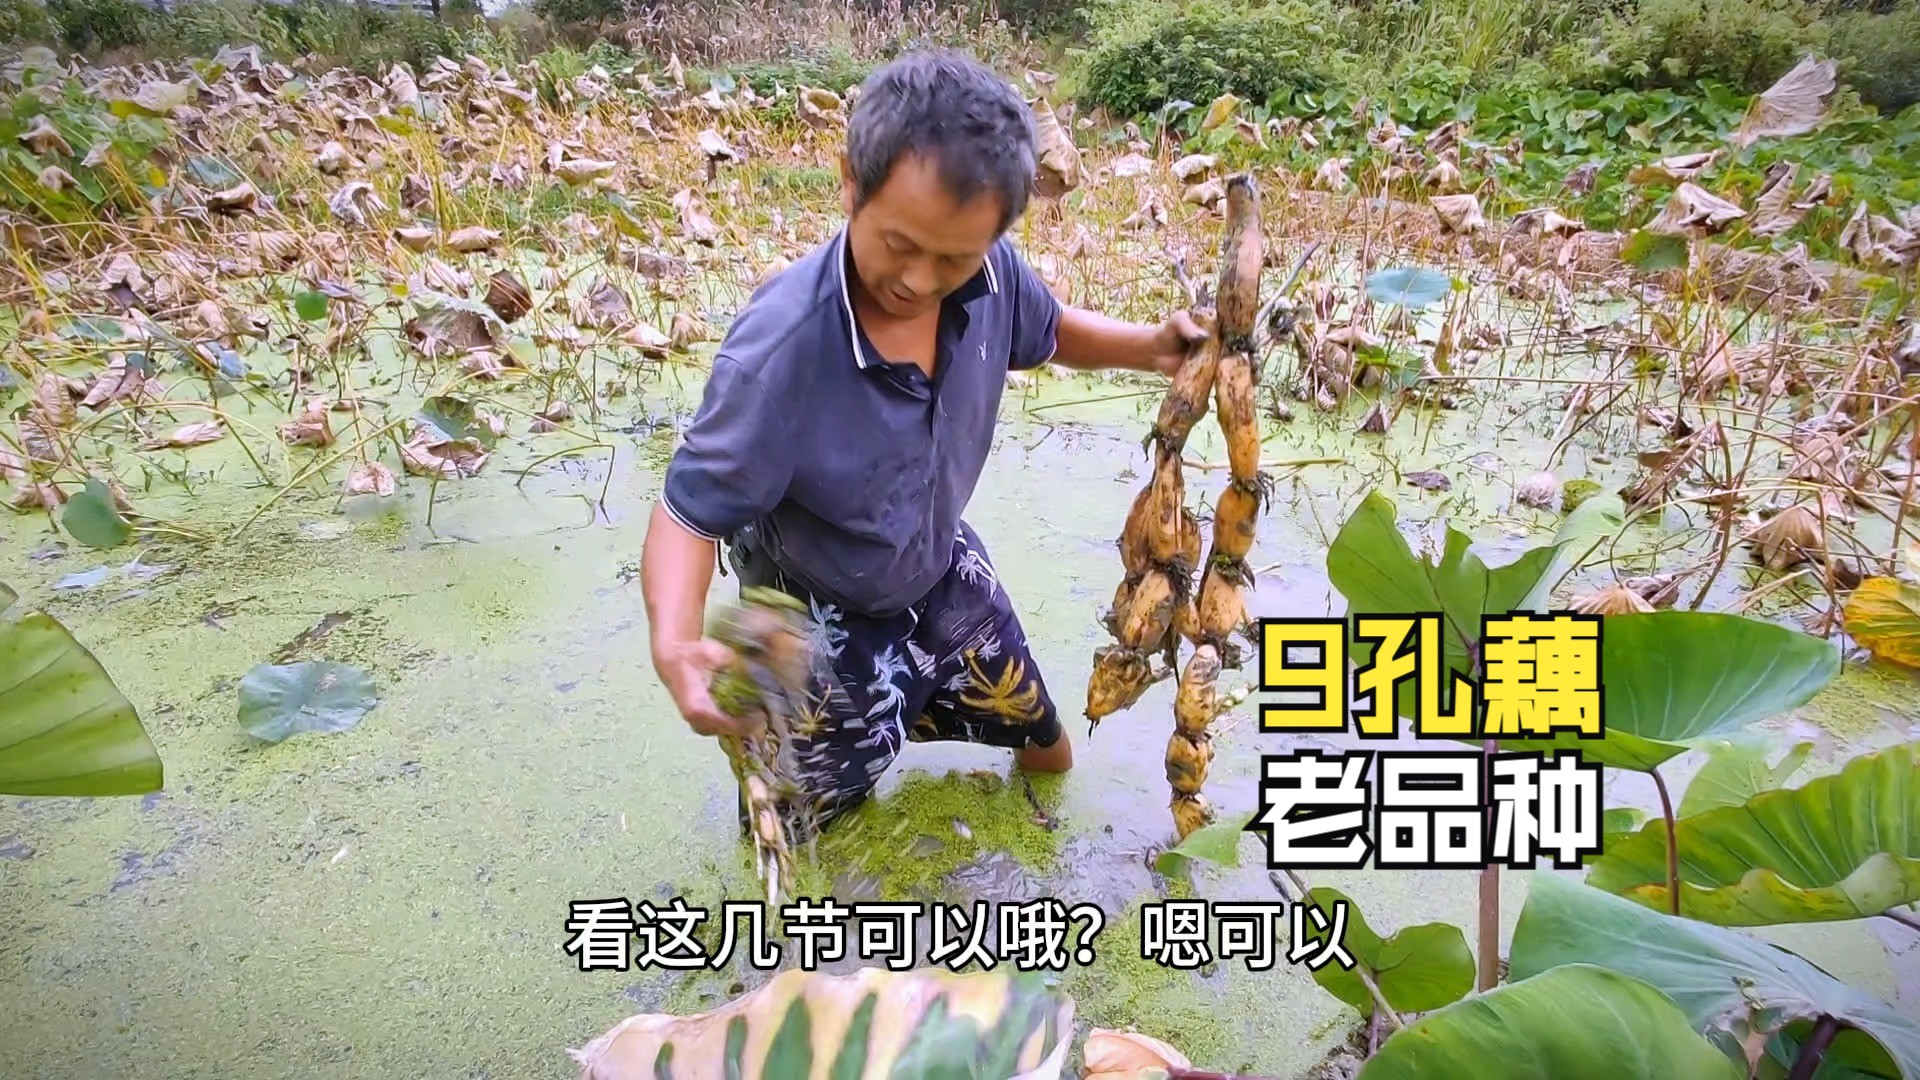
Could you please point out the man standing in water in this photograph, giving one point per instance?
(847, 418)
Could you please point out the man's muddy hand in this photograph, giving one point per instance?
(1175, 337)
(687, 669)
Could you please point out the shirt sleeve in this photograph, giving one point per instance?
(1036, 315)
(734, 463)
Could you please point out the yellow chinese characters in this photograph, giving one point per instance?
(1323, 673)
(1542, 676)
(1538, 676)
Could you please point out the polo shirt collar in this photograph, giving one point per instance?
(981, 284)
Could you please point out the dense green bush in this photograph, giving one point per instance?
(98, 25)
(1150, 52)
(1145, 53)
(360, 36)
(1881, 54)
(1745, 44)
(566, 12)
(1485, 38)
(26, 22)
(203, 27)
(368, 38)
(1061, 17)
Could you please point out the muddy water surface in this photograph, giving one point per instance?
(391, 901)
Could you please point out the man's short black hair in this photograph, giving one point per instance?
(948, 107)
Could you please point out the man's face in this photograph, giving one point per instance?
(913, 243)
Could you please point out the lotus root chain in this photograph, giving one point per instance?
(1167, 591)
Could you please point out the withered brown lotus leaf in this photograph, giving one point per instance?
(311, 427)
(1672, 170)
(1541, 490)
(448, 329)
(195, 434)
(1612, 600)
(1458, 213)
(413, 237)
(695, 223)
(370, 478)
(427, 455)
(1188, 168)
(1794, 105)
(43, 139)
(1792, 536)
(508, 296)
(1692, 206)
(1058, 159)
(1332, 174)
(473, 239)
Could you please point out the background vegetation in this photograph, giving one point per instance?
(1545, 90)
(1129, 56)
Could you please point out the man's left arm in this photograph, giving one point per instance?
(1047, 331)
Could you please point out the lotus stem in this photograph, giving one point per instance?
(1489, 973)
(1815, 1049)
(563, 452)
(1673, 844)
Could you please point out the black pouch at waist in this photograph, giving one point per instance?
(754, 553)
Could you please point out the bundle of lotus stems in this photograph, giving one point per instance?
(1157, 603)
(767, 683)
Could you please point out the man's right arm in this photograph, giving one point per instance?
(732, 467)
(676, 570)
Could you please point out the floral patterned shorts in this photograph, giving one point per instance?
(953, 668)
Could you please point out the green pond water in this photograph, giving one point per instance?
(390, 901)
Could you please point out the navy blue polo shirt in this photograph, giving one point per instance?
(853, 469)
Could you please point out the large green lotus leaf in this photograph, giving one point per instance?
(1376, 571)
(926, 1022)
(1617, 824)
(1845, 846)
(65, 728)
(1674, 678)
(1419, 969)
(1730, 985)
(1737, 770)
(1578, 1022)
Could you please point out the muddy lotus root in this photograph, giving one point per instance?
(768, 682)
(1168, 592)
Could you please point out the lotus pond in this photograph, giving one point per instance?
(432, 422)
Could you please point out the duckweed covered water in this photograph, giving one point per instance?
(392, 900)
